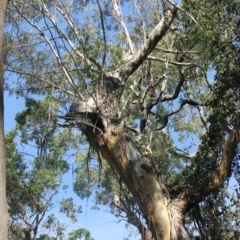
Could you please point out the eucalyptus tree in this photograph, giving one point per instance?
(137, 77)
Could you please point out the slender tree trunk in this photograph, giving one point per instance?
(3, 203)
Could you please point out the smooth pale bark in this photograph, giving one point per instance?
(121, 153)
(144, 185)
(3, 203)
(137, 172)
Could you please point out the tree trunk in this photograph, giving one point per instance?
(164, 214)
(164, 217)
(3, 203)
(122, 154)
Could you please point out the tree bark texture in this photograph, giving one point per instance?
(3, 202)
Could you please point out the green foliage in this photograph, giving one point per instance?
(80, 234)
(69, 209)
(59, 51)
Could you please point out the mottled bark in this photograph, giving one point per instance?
(164, 218)
(164, 215)
(121, 153)
(3, 203)
(176, 209)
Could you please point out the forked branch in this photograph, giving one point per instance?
(148, 46)
(184, 102)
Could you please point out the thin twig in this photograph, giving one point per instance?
(178, 7)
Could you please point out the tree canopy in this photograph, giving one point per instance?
(153, 86)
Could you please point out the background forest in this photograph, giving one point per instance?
(137, 102)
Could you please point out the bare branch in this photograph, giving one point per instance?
(140, 15)
(184, 102)
(175, 51)
(135, 130)
(25, 216)
(84, 56)
(43, 80)
(64, 36)
(117, 9)
(132, 217)
(177, 89)
(171, 62)
(41, 32)
(186, 154)
(152, 85)
(178, 7)
(202, 117)
(206, 79)
(104, 34)
(148, 46)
